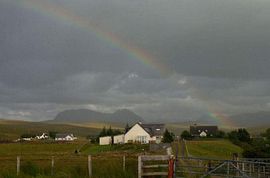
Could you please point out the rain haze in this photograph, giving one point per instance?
(174, 60)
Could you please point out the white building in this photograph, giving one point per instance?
(65, 137)
(145, 133)
(107, 140)
(43, 136)
(119, 139)
(203, 134)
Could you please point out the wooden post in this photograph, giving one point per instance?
(243, 167)
(52, 166)
(264, 170)
(124, 163)
(18, 165)
(228, 169)
(139, 167)
(259, 171)
(250, 171)
(171, 168)
(89, 166)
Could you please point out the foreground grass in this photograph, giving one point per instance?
(221, 149)
(36, 158)
(93, 149)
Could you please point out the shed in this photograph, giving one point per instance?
(107, 140)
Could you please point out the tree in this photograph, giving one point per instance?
(52, 134)
(186, 135)
(219, 134)
(109, 131)
(267, 134)
(168, 137)
(241, 135)
(103, 132)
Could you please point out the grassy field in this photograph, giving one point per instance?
(36, 159)
(107, 161)
(221, 149)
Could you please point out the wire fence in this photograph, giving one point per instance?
(69, 166)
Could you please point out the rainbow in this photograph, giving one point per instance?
(67, 16)
(222, 119)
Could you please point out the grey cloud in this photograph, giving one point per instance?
(217, 53)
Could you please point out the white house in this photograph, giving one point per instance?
(203, 134)
(145, 133)
(119, 139)
(65, 137)
(43, 136)
(107, 140)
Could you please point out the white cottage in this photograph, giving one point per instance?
(65, 137)
(107, 140)
(145, 133)
(43, 136)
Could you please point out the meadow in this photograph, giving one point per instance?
(220, 149)
(36, 158)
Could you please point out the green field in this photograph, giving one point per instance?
(36, 159)
(221, 149)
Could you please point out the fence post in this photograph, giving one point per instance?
(259, 171)
(171, 168)
(139, 167)
(124, 163)
(52, 166)
(18, 165)
(89, 166)
(250, 170)
(228, 169)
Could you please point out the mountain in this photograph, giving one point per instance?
(86, 116)
(256, 119)
(261, 118)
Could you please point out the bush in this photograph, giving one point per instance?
(186, 135)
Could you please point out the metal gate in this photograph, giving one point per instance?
(206, 167)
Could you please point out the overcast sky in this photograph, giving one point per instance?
(216, 55)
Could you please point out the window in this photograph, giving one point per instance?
(141, 139)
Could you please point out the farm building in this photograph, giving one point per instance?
(43, 136)
(107, 140)
(65, 137)
(119, 139)
(145, 133)
(203, 131)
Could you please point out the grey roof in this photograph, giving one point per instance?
(63, 135)
(154, 129)
(197, 129)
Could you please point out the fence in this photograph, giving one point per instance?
(72, 166)
(155, 165)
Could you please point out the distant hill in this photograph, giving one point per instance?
(12, 129)
(87, 116)
(256, 119)
(261, 118)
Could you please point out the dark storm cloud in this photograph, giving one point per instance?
(217, 53)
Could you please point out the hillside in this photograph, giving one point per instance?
(12, 129)
(256, 119)
(86, 116)
(221, 149)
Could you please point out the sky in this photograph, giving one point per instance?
(174, 60)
